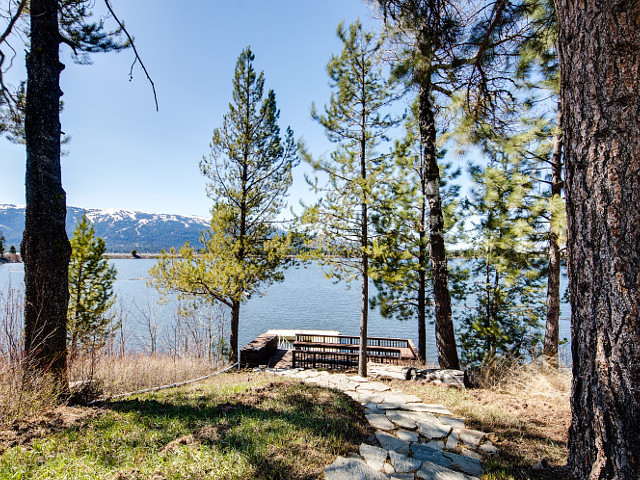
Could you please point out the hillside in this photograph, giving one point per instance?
(122, 230)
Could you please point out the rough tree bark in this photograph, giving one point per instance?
(600, 63)
(445, 337)
(45, 247)
(233, 337)
(550, 350)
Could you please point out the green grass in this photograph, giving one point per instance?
(223, 430)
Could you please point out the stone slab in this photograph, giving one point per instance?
(401, 421)
(426, 454)
(402, 463)
(473, 438)
(380, 421)
(432, 430)
(392, 444)
(425, 407)
(373, 456)
(454, 422)
(351, 469)
(466, 464)
(407, 435)
(432, 471)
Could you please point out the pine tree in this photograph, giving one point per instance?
(403, 273)
(508, 271)
(2, 240)
(91, 295)
(433, 32)
(249, 171)
(355, 120)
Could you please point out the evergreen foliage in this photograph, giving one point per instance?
(508, 271)
(249, 172)
(356, 120)
(2, 240)
(91, 295)
(403, 272)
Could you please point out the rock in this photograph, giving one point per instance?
(433, 430)
(488, 448)
(388, 468)
(373, 456)
(466, 464)
(357, 378)
(431, 471)
(470, 453)
(351, 469)
(471, 437)
(423, 407)
(380, 422)
(436, 444)
(541, 465)
(402, 463)
(407, 436)
(454, 422)
(392, 444)
(402, 476)
(411, 398)
(375, 386)
(453, 441)
(425, 454)
(400, 420)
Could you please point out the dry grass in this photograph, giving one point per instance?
(527, 410)
(117, 374)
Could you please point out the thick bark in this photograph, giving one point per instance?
(445, 338)
(550, 350)
(45, 247)
(600, 63)
(364, 300)
(233, 337)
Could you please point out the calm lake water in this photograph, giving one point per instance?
(305, 300)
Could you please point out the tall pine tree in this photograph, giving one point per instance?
(356, 121)
(91, 295)
(249, 172)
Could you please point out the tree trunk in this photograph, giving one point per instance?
(599, 48)
(445, 338)
(45, 247)
(233, 337)
(550, 350)
(422, 274)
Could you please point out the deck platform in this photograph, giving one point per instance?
(323, 349)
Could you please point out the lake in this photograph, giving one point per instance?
(305, 300)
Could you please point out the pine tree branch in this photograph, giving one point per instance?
(135, 51)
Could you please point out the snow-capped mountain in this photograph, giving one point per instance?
(122, 230)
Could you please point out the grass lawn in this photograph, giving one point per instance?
(236, 426)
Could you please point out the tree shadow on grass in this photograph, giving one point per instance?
(329, 422)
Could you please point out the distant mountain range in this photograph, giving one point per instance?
(122, 230)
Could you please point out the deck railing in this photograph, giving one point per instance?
(353, 340)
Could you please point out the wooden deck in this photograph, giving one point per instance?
(330, 351)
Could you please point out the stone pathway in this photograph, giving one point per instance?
(413, 440)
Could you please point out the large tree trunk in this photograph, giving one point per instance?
(422, 271)
(600, 64)
(445, 338)
(550, 350)
(233, 337)
(45, 247)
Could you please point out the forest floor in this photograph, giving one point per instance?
(253, 425)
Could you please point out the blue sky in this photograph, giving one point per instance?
(123, 154)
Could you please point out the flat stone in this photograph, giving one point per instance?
(402, 463)
(467, 452)
(380, 421)
(369, 397)
(473, 438)
(411, 398)
(351, 469)
(402, 476)
(453, 441)
(425, 454)
(433, 430)
(425, 407)
(354, 455)
(466, 464)
(370, 411)
(393, 398)
(373, 456)
(392, 444)
(357, 378)
(388, 468)
(401, 421)
(454, 422)
(353, 395)
(436, 444)
(432, 471)
(407, 436)
(388, 406)
(488, 448)
(376, 386)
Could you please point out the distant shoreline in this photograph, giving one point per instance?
(128, 256)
